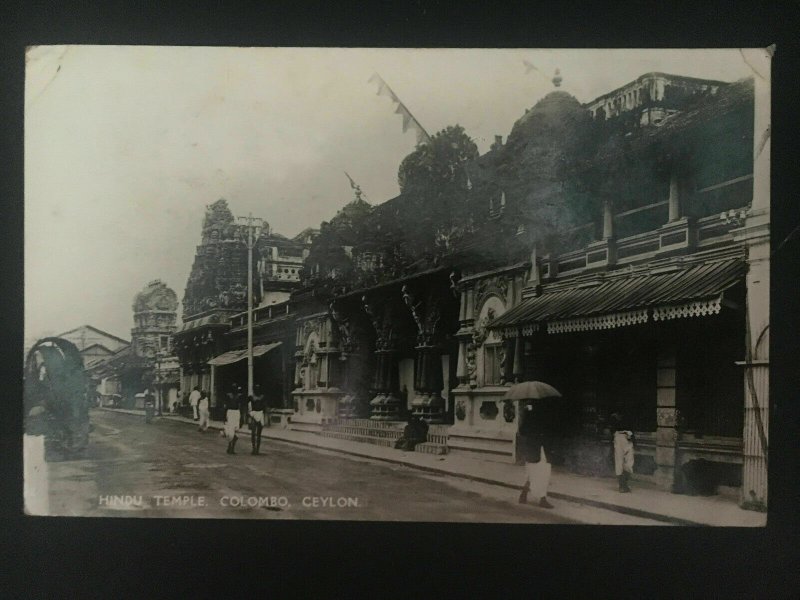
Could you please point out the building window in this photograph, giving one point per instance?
(709, 390)
(164, 343)
(492, 364)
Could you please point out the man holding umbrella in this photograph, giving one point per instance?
(536, 436)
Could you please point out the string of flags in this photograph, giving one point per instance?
(409, 121)
(529, 67)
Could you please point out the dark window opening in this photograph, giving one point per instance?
(710, 385)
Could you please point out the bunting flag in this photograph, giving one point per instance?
(409, 122)
(356, 188)
(528, 66)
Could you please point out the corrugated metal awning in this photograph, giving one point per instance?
(685, 291)
(233, 356)
(199, 323)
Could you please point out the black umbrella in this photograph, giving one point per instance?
(532, 390)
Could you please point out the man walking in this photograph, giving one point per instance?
(244, 402)
(256, 410)
(149, 405)
(203, 410)
(535, 438)
(623, 451)
(232, 417)
(194, 398)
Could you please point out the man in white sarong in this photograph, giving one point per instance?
(232, 417)
(194, 398)
(204, 411)
(534, 437)
(256, 412)
(623, 451)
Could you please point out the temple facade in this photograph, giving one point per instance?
(216, 295)
(625, 264)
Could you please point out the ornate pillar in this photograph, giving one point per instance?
(385, 405)
(428, 403)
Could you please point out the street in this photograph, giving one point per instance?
(169, 469)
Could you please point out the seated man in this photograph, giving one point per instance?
(416, 432)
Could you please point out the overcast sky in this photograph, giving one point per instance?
(125, 146)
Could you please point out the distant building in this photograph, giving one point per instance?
(279, 264)
(93, 343)
(217, 290)
(144, 362)
(652, 97)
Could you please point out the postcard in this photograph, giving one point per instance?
(449, 285)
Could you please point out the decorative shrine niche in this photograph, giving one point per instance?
(311, 362)
(491, 350)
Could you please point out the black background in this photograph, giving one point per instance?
(118, 558)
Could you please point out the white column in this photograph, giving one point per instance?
(212, 387)
(461, 369)
(755, 235)
(608, 221)
(674, 198)
(36, 489)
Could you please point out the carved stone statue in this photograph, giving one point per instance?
(472, 366)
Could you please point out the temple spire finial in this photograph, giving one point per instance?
(557, 79)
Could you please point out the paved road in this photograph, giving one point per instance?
(169, 469)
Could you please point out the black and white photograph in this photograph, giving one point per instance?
(518, 286)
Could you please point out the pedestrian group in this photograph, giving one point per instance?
(241, 409)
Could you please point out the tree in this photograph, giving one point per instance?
(438, 163)
(433, 182)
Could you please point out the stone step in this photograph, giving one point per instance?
(429, 448)
(364, 439)
(301, 426)
(434, 438)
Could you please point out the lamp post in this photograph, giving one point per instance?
(159, 383)
(254, 226)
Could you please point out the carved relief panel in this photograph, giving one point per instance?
(489, 350)
(426, 313)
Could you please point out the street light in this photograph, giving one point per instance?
(159, 380)
(254, 226)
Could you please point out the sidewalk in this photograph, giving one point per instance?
(646, 501)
